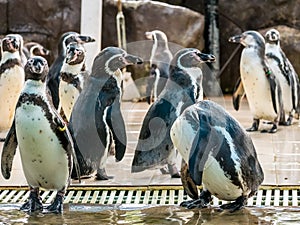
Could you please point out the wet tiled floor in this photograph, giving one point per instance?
(278, 153)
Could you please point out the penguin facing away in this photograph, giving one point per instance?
(12, 78)
(72, 76)
(96, 119)
(155, 148)
(32, 49)
(258, 82)
(45, 145)
(160, 60)
(285, 74)
(54, 71)
(218, 154)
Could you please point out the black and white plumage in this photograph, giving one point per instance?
(160, 60)
(96, 118)
(45, 145)
(54, 72)
(219, 155)
(154, 148)
(32, 49)
(285, 73)
(72, 76)
(258, 82)
(12, 78)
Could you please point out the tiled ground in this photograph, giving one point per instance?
(278, 153)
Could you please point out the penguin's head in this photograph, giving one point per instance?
(273, 36)
(190, 58)
(12, 43)
(71, 36)
(75, 53)
(112, 59)
(249, 39)
(36, 68)
(35, 48)
(156, 36)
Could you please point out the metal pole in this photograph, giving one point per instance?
(211, 82)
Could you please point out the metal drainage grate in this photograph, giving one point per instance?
(153, 195)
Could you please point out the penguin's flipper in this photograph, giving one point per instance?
(116, 124)
(238, 94)
(9, 151)
(66, 138)
(187, 182)
(273, 87)
(150, 83)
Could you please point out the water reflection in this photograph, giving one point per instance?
(147, 215)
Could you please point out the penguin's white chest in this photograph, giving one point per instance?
(11, 84)
(256, 86)
(217, 183)
(68, 95)
(285, 87)
(44, 161)
(182, 135)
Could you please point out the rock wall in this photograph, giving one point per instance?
(45, 20)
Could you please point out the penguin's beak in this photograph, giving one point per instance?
(206, 57)
(45, 51)
(71, 57)
(37, 67)
(86, 39)
(131, 59)
(235, 39)
(148, 35)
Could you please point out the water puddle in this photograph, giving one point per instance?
(129, 214)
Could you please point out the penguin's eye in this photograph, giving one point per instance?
(120, 58)
(30, 61)
(192, 54)
(79, 52)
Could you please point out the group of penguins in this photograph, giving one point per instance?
(65, 119)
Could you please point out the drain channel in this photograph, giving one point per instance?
(153, 195)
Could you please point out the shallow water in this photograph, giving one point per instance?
(145, 214)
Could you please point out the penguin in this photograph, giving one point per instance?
(32, 48)
(218, 154)
(44, 142)
(258, 82)
(72, 76)
(12, 78)
(96, 120)
(54, 71)
(155, 148)
(160, 60)
(285, 73)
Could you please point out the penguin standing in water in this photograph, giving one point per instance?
(96, 118)
(218, 154)
(160, 60)
(12, 78)
(183, 88)
(285, 73)
(72, 76)
(45, 145)
(54, 71)
(258, 82)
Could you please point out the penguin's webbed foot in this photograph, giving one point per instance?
(202, 202)
(271, 131)
(237, 205)
(254, 126)
(2, 139)
(101, 175)
(57, 205)
(33, 204)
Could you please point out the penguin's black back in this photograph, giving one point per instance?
(211, 116)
